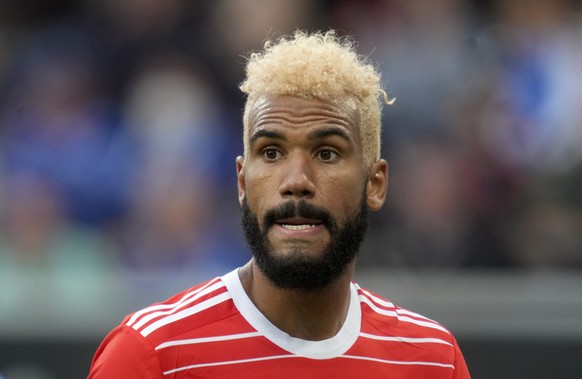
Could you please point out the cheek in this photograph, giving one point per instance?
(343, 192)
(259, 188)
(341, 186)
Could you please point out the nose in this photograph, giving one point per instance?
(297, 178)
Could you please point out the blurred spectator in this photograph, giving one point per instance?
(45, 260)
(177, 226)
(489, 187)
(429, 219)
(131, 32)
(237, 27)
(423, 50)
(535, 48)
(57, 123)
(176, 208)
(173, 114)
(547, 236)
(520, 133)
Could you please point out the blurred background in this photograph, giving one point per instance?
(120, 121)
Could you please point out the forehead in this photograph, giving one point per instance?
(291, 111)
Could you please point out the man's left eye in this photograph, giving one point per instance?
(327, 155)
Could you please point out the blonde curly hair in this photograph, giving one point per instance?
(320, 65)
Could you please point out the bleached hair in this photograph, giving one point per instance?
(319, 65)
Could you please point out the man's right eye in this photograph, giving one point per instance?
(271, 154)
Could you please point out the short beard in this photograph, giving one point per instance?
(297, 270)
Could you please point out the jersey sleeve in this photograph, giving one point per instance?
(125, 354)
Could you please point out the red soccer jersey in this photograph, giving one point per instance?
(214, 330)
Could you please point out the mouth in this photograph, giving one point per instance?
(298, 224)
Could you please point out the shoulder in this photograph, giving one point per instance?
(123, 353)
(381, 314)
(396, 334)
(203, 311)
(184, 312)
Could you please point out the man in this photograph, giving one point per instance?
(311, 171)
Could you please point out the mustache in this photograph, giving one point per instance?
(298, 209)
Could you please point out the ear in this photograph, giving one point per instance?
(240, 178)
(377, 185)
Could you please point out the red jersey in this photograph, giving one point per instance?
(213, 330)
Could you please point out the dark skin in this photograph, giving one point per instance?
(305, 149)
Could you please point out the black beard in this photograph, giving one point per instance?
(297, 270)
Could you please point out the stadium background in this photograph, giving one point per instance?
(120, 123)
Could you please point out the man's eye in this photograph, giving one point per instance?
(327, 155)
(271, 154)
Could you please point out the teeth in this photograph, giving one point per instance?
(298, 227)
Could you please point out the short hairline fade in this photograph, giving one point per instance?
(318, 65)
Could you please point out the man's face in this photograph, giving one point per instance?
(303, 189)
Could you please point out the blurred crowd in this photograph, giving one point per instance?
(120, 121)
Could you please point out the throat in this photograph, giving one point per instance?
(312, 315)
(312, 322)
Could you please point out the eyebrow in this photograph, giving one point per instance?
(267, 134)
(328, 132)
(317, 134)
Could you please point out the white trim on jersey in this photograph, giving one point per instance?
(226, 363)
(376, 299)
(165, 307)
(424, 322)
(185, 313)
(392, 362)
(405, 339)
(193, 341)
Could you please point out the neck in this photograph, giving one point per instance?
(311, 315)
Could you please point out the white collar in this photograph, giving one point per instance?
(330, 348)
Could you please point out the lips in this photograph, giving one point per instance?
(297, 217)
